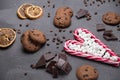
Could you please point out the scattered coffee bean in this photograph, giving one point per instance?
(55, 34)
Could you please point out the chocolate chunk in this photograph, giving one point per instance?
(110, 38)
(60, 63)
(66, 67)
(56, 58)
(81, 13)
(100, 27)
(50, 66)
(41, 63)
(108, 33)
(63, 56)
(49, 56)
(54, 72)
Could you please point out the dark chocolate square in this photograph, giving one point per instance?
(66, 67)
(81, 13)
(63, 56)
(54, 72)
(50, 65)
(100, 27)
(49, 56)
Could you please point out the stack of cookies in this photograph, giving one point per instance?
(32, 40)
(63, 17)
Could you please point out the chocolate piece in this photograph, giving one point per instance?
(49, 56)
(54, 72)
(50, 66)
(41, 63)
(109, 38)
(60, 63)
(56, 58)
(108, 33)
(32, 66)
(66, 67)
(81, 13)
(63, 56)
(100, 27)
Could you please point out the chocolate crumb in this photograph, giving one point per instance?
(20, 25)
(43, 6)
(57, 43)
(93, 2)
(53, 5)
(57, 47)
(90, 4)
(95, 13)
(48, 1)
(70, 31)
(98, 5)
(113, 0)
(60, 30)
(55, 34)
(48, 44)
(49, 5)
(116, 5)
(47, 39)
(25, 74)
(48, 14)
(51, 31)
(27, 25)
(32, 66)
(63, 37)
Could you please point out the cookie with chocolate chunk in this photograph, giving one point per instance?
(37, 36)
(28, 44)
(87, 72)
(62, 21)
(65, 11)
(62, 17)
(111, 18)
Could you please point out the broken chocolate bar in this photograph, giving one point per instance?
(50, 65)
(41, 63)
(81, 13)
(66, 67)
(100, 27)
(60, 63)
(49, 56)
(108, 35)
(63, 56)
(54, 72)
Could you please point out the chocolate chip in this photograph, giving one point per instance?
(53, 5)
(20, 25)
(27, 25)
(25, 74)
(95, 13)
(48, 44)
(43, 6)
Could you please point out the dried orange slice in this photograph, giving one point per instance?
(7, 37)
(21, 10)
(33, 12)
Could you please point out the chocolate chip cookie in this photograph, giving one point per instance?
(65, 11)
(37, 36)
(28, 44)
(87, 72)
(62, 17)
(62, 21)
(111, 18)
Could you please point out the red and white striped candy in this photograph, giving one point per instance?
(80, 41)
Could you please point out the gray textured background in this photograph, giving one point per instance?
(14, 62)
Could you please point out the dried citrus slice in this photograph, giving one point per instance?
(7, 37)
(21, 10)
(33, 12)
